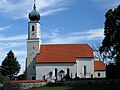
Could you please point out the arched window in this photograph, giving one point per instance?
(68, 72)
(33, 28)
(56, 71)
(98, 74)
(85, 70)
(43, 77)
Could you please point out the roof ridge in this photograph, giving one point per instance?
(65, 44)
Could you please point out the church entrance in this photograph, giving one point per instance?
(33, 78)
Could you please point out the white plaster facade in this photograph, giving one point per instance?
(81, 64)
(100, 74)
(75, 69)
(44, 68)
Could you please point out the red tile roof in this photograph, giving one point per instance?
(63, 52)
(99, 65)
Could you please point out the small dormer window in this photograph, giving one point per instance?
(33, 28)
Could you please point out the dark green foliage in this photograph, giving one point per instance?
(10, 66)
(111, 71)
(79, 87)
(21, 77)
(111, 42)
(3, 78)
(97, 54)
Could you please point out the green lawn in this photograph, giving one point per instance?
(52, 88)
(79, 87)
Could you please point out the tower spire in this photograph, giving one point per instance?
(34, 15)
(34, 4)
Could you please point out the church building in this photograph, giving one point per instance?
(55, 61)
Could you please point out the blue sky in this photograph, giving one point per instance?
(63, 21)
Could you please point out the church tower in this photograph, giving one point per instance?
(33, 43)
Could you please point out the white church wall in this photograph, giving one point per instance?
(89, 64)
(44, 68)
(100, 74)
(32, 49)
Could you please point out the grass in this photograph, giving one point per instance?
(52, 88)
(79, 87)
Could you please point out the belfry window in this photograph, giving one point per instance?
(33, 28)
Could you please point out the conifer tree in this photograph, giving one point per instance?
(10, 66)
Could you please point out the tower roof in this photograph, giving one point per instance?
(34, 15)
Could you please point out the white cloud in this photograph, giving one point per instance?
(14, 38)
(5, 27)
(22, 63)
(23, 7)
(50, 12)
(51, 34)
(94, 33)
(74, 37)
(20, 53)
(9, 45)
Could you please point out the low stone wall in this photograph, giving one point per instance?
(98, 81)
(23, 84)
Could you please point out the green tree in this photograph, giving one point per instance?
(21, 77)
(111, 41)
(10, 66)
(97, 54)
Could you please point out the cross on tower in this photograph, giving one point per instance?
(34, 4)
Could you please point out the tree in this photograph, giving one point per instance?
(97, 54)
(111, 41)
(21, 77)
(10, 66)
(111, 71)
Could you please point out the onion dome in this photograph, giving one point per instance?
(34, 15)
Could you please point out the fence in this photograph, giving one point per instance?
(23, 84)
